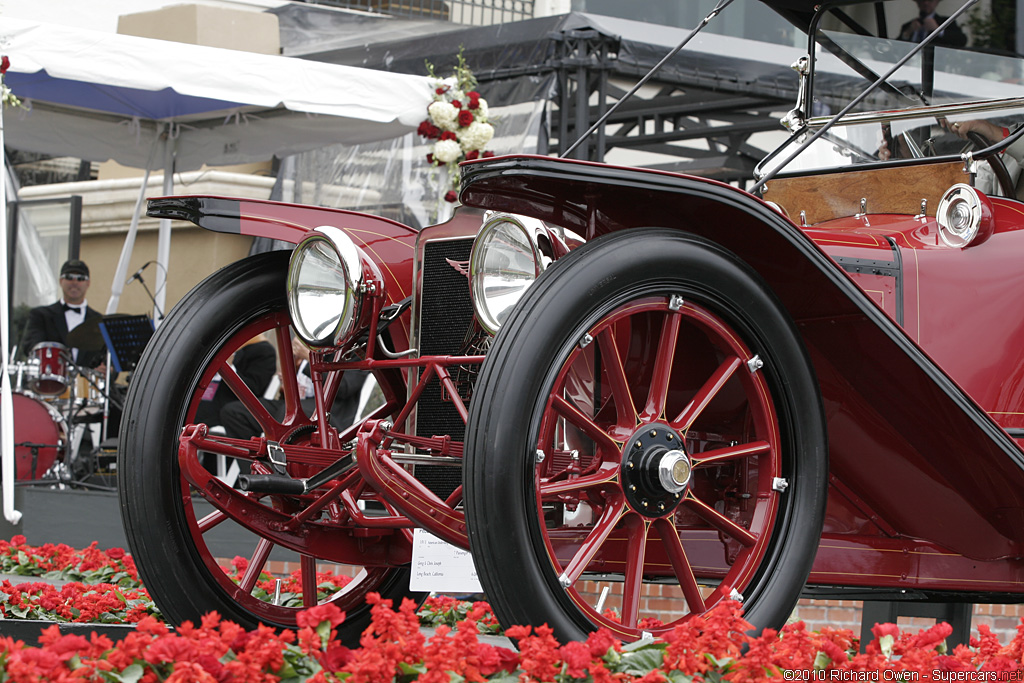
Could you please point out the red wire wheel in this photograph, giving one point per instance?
(648, 426)
(182, 541)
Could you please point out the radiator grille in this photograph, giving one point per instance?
(446, 323)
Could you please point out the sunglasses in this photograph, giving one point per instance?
(75, 277)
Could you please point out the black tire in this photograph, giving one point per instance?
(178, 561)
(563, 377)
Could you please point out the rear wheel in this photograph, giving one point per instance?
(647, 426)
(185, 545)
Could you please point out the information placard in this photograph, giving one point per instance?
(440, 567)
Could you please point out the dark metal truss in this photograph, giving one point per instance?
(701, 125)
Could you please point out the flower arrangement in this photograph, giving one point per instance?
(7, 98)
(458, 121)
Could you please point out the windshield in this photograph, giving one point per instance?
(912, 112)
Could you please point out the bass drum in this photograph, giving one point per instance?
(38, 437)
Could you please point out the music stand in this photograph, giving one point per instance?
(126, 336)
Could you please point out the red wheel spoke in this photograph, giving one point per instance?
(720, 521)
(658, 394)
(548, 489)
(611, 359)
(289, 383)
(244, 394)
(256, 564)
(307, 569)
(584, 423)
(632, 589)
(720, 455)
(211, 520)
(706, 393)
(598, 535)
(680, 565)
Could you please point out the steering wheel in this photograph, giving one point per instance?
(995, 161)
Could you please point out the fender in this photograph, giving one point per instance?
(389, 243)
(906, 444)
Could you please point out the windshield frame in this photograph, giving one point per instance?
(801, 126)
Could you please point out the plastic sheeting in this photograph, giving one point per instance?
(392, 178)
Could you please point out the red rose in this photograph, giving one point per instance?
(448, 135)
(487, 155)
(465, 117)
(115, 553)
(430, 159)
(474, 99)
(451, 196)
(472, 155)
(457, 104)
(441, 89)
(5, 64)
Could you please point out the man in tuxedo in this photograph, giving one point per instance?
(53, 323)
(927, 21)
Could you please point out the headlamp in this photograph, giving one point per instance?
(328, 278)
(505, 260)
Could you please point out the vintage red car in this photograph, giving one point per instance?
(614, 383)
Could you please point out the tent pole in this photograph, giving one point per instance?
(6, 405)
(163, 248)
(118, 285)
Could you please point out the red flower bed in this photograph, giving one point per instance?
(394, 648)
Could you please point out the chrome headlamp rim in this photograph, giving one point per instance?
(334, 242)
(959, 215)
(492, 222)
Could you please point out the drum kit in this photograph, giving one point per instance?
(56, 402)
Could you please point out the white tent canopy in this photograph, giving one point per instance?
(138, 101)
(101, 96)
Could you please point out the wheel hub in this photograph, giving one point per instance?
(655, 470)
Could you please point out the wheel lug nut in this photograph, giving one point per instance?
(654, 432)
(644, 503)
(661, 506)
(632, 487)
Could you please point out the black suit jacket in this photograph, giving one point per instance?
(47, 323)
(952, 37)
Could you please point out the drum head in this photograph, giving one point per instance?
(38, 437)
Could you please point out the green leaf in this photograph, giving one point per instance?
(640, 662)
(131, 674)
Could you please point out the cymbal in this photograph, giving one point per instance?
(87, 336)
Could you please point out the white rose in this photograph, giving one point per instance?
(476, 136)
(447, 151)
(481, 110)
(444, 115)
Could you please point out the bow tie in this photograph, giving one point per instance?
(76, 309)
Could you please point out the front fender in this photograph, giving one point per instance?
(904, 437)
(389, 243)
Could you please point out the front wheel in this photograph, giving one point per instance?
(646, 439)
(232, 556)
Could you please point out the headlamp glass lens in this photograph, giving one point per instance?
(504, 268)
(319, 292)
